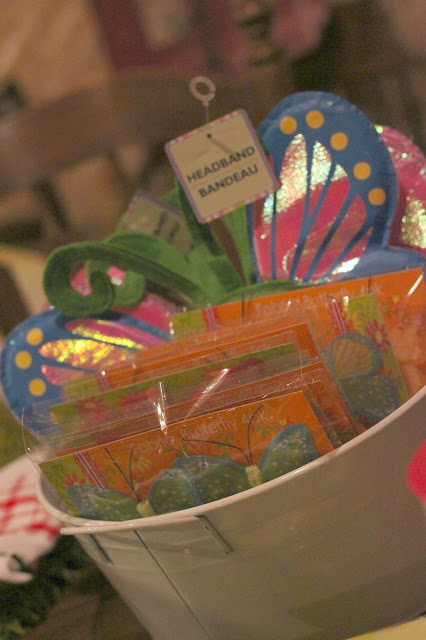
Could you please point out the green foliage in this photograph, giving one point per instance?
(11, 439)
(24, 606)
(201, 233)
(218, 269)
(236, 223)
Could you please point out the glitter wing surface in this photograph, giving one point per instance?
(49, 350)
(337, 197)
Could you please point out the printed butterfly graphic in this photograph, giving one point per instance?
(195, 480)
(198, 479)
(98, 503)
(355, 361)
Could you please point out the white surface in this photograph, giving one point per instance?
(27, 531)
(330, 550)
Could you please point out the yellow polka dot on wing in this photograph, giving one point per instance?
(37, 387)
(34, 336)
(314, 119)
(362, 170)
(288, 125)
(23, 359)
(339, 140)
(377, 196)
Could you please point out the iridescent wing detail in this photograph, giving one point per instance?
(98, 503)
(409, 225)
(338, 190)
(214, 477)
(48, 350)
(290, 449)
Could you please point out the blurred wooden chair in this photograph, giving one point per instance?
(38, 144)
(139, 107)
(21, 290)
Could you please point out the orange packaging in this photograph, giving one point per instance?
(296, 341)
(401, 296)
(252, 442)
(182, 353)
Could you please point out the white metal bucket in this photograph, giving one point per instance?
(328, 551)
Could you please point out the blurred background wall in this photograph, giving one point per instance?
(372, 52)
(49, 48)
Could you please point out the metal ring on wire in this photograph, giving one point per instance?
(205, 98)
(201, 81)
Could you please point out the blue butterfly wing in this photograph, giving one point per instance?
(214, 477)
(355, 359)
(290, 449)
(98, 503)
(337, 197)
(172, 490)
(377, 260)
(371, 397)
(49, 349)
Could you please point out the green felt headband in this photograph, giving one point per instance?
(218, 268)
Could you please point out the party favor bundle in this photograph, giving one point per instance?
(261, 315)
(189, 424)
(369, 332)
(221, 410)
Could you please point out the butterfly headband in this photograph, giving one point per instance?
(331, 217)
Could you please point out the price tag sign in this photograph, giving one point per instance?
(221, 166)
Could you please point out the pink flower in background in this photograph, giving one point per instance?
(390, 374)
(299, 24)
(190, 35)
(90, 404)
(132, 398)
(378, 333)
(72, 479)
